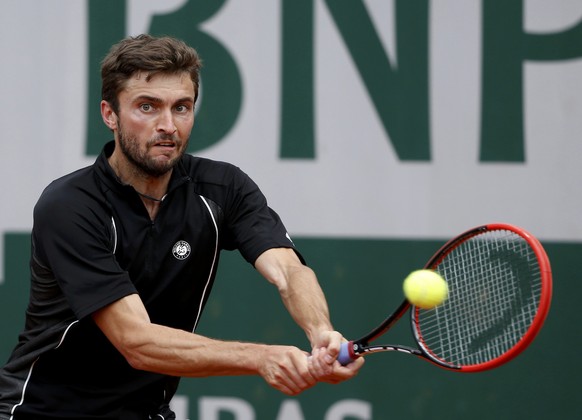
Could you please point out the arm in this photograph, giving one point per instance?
(299, 290)
(305, 301)
(156, 348)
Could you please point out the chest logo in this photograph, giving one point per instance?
(181, 250)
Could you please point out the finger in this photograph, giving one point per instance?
(317, 364)
(296, 375)
(334, 344)
(341, 373)
(350, 370)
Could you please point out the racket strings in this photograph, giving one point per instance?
(494, 292)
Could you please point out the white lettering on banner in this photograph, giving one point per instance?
(180, 405)
(290, 410)
(351, 408)
(210, 408)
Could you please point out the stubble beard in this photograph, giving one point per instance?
(139, 159)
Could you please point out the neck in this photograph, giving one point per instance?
(151, 204)
(149, 197)
(152, 188)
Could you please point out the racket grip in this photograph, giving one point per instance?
(346, 354)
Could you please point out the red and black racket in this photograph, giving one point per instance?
(500, 288)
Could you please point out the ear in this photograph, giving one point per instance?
(109, 116)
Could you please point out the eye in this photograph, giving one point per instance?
(146, 107)
(182, 109)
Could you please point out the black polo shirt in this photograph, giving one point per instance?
(93, 243)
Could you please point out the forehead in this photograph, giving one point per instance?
(165, 86)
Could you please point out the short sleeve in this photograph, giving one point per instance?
(254, 225)
(72, 240)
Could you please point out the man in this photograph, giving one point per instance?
(124, 254)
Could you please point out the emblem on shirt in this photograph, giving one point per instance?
(181, 250)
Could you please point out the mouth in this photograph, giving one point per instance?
(165, 144)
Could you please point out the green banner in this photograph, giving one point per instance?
(362, 280)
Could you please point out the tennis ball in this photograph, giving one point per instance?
(425, 289)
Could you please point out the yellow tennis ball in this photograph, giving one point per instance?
(425, 289)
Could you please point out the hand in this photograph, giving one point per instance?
(285, 368)
(323, 362)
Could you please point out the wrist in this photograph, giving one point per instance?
(320, 336)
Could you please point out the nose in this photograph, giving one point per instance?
(165, 123)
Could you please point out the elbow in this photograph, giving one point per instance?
(132, 350)
(287, 279)
(136, 360)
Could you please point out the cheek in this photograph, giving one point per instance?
(184, 126)
(137, 123)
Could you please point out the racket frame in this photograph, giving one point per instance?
(362, 346)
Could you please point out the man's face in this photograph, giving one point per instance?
(155, 120)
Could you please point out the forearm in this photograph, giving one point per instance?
(305, 301)
(164, 350)
(299, 290)
(180, 353)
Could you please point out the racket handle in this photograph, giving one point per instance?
(346, 354)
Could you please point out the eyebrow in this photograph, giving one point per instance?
(147, 98)
(157, 100)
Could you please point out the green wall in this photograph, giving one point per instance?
(362, 281)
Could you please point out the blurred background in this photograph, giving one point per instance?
(377, 129)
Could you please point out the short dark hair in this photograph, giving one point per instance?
(148, 54)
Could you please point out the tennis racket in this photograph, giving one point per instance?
(500, 288)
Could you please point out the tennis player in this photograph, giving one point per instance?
(124, 255)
